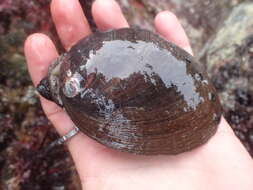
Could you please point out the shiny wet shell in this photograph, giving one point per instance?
(131, 90)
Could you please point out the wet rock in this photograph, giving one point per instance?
(236, 29)
(7, 137)
(30, 96)
(6, 130)
(13, 69)
(229, 61)
(199, 18)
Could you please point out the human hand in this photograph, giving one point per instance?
(222, 163)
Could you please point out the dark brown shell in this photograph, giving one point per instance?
(131, 90)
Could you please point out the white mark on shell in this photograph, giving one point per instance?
(198, 76)
(54, 71)
(69, 73)
(205, 82)
(82, 67)
(72, 85)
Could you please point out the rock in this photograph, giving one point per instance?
(237, 27)
(229, 60)
(13, 68)
(199, 18)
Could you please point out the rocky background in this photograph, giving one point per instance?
(221, 34)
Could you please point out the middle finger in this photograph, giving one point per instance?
(70, 22)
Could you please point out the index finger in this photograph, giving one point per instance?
(40, 53)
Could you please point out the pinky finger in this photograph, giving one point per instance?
(169, 27)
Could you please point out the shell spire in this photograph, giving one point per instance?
(44, 89)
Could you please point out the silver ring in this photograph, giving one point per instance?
(68, 136)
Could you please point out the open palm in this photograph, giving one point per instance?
(222, 163)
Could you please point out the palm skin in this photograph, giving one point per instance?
(222, 163)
